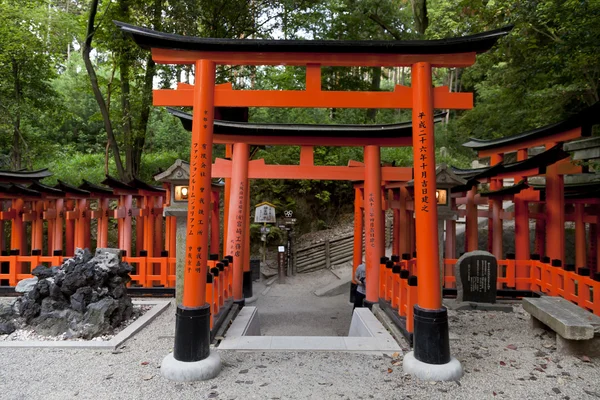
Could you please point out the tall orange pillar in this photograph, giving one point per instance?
(404, 222)
(37, 226)
(192, 329)
(522, 250)
(472, 233)
(374, 222)
(430, 329)
(580, 243)
(357, 255)
(226, 200)
(214, 223)
(238, 214)
(395, 197)
(124, 224)
(57, 235)
(102, 220)
(555, 213)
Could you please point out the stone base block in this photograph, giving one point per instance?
(181, 371)
(451, 371)
(590, 348)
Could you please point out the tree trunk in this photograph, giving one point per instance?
(16, 150)
(139, 134)
(375, 86)
(85, 51)
(419, 8)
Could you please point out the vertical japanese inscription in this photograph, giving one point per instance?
(372, 220)
(421, 163)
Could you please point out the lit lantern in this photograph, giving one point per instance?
(441, 195)
(181, 193)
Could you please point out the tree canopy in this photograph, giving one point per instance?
(75, 94)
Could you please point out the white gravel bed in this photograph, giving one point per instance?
(25, 334)
(502, 357)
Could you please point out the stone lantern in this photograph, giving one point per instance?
(176, 180)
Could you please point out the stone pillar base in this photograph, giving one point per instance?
(451, 371)
(182, 371)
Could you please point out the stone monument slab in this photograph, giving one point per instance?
(476, 277)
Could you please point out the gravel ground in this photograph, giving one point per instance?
(503, 359)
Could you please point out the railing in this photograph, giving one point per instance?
(398, 283)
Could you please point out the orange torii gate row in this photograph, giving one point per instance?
(271, 134)
(553, 163)
(192, 358)
(48, 223)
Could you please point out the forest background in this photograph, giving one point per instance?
(75, 95)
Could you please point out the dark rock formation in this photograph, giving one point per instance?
(85, 297)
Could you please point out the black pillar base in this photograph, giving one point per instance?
(352, 291)
(192, 333)
(241, 303)
(369, 304)
(247, 284)
(431, 339)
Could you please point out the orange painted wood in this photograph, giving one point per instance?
(195, 270)
(559, 137)
(237, 216)
(357, 256)
(214, 223)
(259, 170)
(102, 221)
(307, 156)
(555, 207)
(169, 56)
(247, 232)
(426, 215)
(401, 97)
(580, 243)
(226, 199)
(373, 221)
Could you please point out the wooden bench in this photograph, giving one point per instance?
(577, 330)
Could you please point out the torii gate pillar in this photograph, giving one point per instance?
(431, 351)
(192, 358)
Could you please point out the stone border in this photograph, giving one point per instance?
(366, 335)
(112, 344)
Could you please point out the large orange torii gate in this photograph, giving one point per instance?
(192, 358)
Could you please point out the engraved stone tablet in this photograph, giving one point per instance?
(476, 276)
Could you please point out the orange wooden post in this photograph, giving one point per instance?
(237, 216)
(412, 298)
(37, 226)
(216, 294)
(17, 231)
(580, 243)
(69, 229)
(226, 200)
(211, 283)
(472, 221)
(357, 255)
(382, 277)
(139, 224)
(57, 236)
(79, 217)
(102, 221)
(404, 236)
(124, 224)
(451, 233)
(431, 337)
(403, 292)
(495, 206)
(395, 197)
(159, 222)
(555, 213)
(214, 223)
(373, 227)
(522, 250)
(396, 286)
(149, 226)
(425, 189)
(192, 331)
